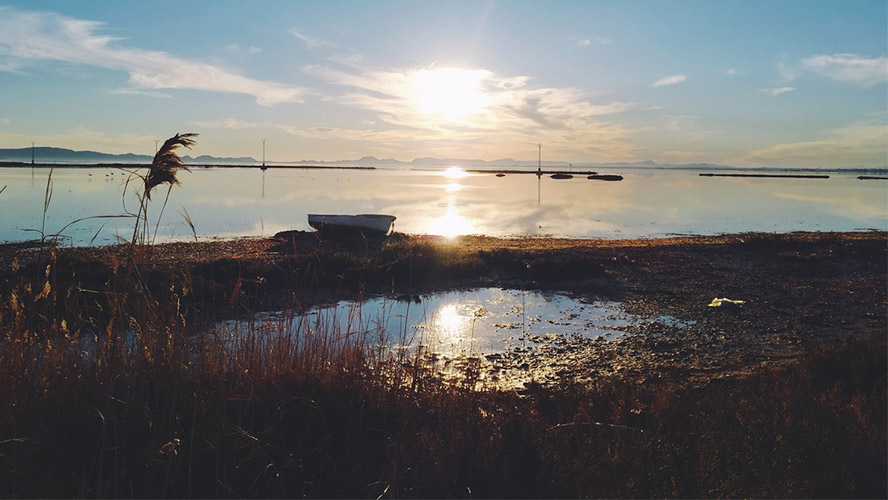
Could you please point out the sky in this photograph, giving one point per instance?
(752, 83)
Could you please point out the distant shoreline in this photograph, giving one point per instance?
(192, 165)
(725, 172)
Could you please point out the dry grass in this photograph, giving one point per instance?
(118, 383)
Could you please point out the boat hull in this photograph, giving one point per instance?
(376, 224)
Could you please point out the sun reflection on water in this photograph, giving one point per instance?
(449, 323)
(450, 224)
(452, 327)
(455, 173)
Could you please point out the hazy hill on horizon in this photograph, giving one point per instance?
(49, 155)
(64, 155)
(44, 155)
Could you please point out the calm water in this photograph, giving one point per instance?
(232, 202)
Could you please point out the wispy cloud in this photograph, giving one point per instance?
(860, 144)
(228, 123)
(677, 123)
(242, 51)
(149, 93)
(849, 68)
(594, 40)
(510, 113)
(776, 91)
(787, 72)
(669, 80)
(310, 41)
(27, 37)
(86, 138)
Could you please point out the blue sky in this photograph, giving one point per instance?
(746, 83)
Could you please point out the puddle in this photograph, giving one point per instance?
(456, 323)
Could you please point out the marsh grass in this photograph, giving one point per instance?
(119, 382)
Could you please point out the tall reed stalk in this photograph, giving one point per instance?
(164, 169)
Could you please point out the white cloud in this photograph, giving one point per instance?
(669, 80)
(312, 42)
(26, 37)
(731, 72)
(849, 68)
(776, 91)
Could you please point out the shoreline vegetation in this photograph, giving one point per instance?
(117, 382)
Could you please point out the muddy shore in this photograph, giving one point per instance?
(797, 289)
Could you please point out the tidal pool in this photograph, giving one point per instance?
(451, 324)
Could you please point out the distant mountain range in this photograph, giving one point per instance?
(47, 155)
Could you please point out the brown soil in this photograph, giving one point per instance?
(798, 289)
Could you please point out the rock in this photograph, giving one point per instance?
(716, 302)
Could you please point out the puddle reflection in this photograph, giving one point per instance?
(457, 323)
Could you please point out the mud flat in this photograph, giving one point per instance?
(797, 289)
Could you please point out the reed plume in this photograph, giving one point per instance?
(163, 170)
(167, 163)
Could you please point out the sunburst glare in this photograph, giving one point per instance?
(450, 92)
(455, 173)
(450, 224)
(449, 323)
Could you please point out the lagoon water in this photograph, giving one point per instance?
(233, 202)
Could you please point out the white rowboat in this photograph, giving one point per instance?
(365, 223)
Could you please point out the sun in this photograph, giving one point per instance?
(450, 92)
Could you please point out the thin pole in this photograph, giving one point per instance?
(32, 153)
(539, 170)
(263, 153)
